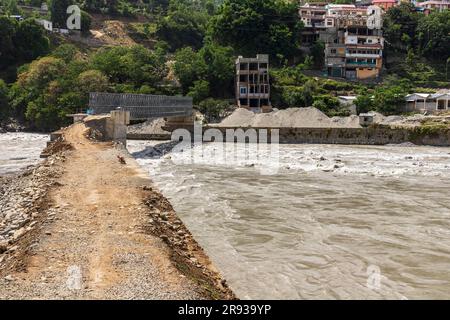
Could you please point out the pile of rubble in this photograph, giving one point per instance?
(22, 200)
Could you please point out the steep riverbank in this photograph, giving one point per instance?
(87, 226)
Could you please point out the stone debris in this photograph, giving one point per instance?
(21, 198)
(165, 223)
(152, 126)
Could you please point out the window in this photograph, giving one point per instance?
(333, 51)
(243, 90)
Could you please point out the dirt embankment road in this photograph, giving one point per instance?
(106, 234)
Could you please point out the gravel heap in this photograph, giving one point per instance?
(152, 126)
(314, 118)
(20, 199)
(292, 117)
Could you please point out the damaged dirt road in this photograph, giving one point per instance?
(104, 233)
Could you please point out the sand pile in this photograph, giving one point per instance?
(293, 117)
(152, 126)
(239, 118)
(314, 118)
(347, 122)
(377, 117)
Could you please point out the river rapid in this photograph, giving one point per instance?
(19, 150)
(333, 222)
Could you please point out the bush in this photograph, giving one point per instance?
(213, 109)
(364, 103)
(4, 106)
(199, 91)
(86, 21)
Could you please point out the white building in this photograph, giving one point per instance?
(428, 102)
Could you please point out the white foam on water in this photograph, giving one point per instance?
(19, 150)
(314, 228)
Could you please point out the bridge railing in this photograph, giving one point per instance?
(141, 106)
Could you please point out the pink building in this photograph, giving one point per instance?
(384, 4)
(434, 5)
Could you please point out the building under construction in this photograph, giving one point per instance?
(252, 83)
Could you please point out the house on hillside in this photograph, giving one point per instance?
(353, 39)
(431, 102)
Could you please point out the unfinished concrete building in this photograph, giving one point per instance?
(353, 39)
(252, 83)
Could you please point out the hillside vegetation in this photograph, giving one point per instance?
(189, 47)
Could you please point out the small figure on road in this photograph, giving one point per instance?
(121, 159)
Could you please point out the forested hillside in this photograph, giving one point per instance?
(189, 47)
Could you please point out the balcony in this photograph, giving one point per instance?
(361, 64)
(255, 95)
(363, 55)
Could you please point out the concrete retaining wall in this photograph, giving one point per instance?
(376, 135)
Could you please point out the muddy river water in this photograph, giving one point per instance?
(334, 222)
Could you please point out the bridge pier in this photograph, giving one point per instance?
(112, 127)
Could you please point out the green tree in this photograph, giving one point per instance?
(135, 65)
(183, 27)
(199, 91)
(213, 109)
(4, 106)
(400, 23)
(387, 100)
(220, 66)
(58, 11)
(86, 21)
(364, 103)
(92, 81)
(318, 54)
(254, 26)
(30, 41)
(66, 52)
(189, 67)
(7, 48)
(434, 35)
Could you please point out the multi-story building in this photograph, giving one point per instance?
(353, 41)
(252, 83)
(313, 18)
(438, 5)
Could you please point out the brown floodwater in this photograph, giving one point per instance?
(320, 226)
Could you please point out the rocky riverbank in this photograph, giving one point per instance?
(23, 209)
